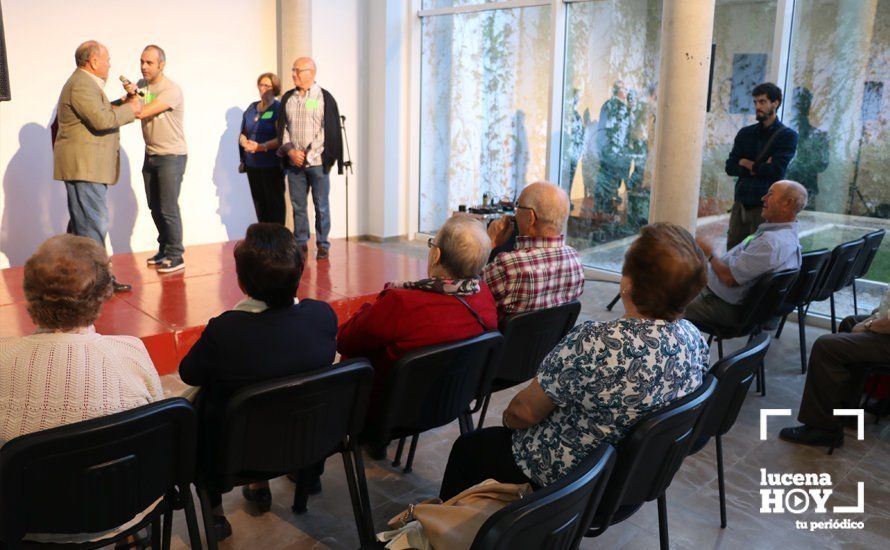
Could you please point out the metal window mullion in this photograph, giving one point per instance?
(509, 4)
(782, 47)
(557, 74)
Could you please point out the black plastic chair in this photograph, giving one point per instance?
(552, 518)
(97, 475)
(762, 306)
(429, 387)
(648, 458)
(528, 338)
(280, 426)
(812, 266)
(871, 244)
(734, 374)
(837, 275)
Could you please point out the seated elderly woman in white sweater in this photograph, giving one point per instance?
(65, 372)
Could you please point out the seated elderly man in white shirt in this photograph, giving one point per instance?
(774, 247)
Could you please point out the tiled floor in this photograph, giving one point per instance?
(692, 497)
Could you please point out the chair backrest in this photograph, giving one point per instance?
(555, 517)
(529, 337)
(651, 454)
(812, 265)
(95, 475)
(734, 374)
(839, 269)
(870, 246)
(429, 387)
(276, 427)
(765, 299)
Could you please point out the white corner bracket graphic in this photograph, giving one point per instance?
(860, 502)
(860, 420)
(766, 413)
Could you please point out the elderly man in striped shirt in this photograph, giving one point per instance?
(542, 271)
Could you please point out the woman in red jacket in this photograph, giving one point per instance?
(451, 304)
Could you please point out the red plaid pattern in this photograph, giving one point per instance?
(542, 272)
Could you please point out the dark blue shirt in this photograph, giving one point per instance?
(260, 127)
(749, 144)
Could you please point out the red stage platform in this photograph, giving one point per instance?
(168, 312)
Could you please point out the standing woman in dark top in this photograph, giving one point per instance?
(257, 144)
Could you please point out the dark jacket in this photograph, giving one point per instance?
(749, 144)
(239, 348)
(333, 139)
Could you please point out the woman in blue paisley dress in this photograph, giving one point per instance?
(602, 377)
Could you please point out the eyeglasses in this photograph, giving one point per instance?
(520, 207)
(300, 70)
(430, 243)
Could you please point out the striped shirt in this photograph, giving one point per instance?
(542, 272)
(304, 129)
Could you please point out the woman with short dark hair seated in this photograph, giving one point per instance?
(269, 334)
(602, 377)
(66, 372)
(452, 304)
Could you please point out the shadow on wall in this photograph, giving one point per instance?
(235, 205)
(122, 209)
(34, 206)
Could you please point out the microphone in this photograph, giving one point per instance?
(126, 82)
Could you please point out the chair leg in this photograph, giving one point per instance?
(191, 520)
(410, 462)
(207, 514)
(781, 326)
(156, 531)
(720, 348)
(710, 339)
(802, 332)
(167, 529)
(483, 411)
(833, 319)
(762, 377)
(613, 302)
(358, 510)
(363, 489)
(663, 539)
(398, 459)
(720, 486)
(855, 303)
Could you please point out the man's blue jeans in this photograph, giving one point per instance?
(300, 181)
(88, 210)
(163, 180)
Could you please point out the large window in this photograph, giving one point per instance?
(609, 89)
(484, 105)
(489, 123)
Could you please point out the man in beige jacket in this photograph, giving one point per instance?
(86, 152)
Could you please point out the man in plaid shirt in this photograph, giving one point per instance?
(542, 271)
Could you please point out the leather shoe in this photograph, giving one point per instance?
(119, 286)
(222, 529)
(261, 498)
(322, 254)
(818, 437)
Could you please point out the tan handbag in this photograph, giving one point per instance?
(453, 524)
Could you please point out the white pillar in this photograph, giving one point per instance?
(686, 29)
(294, 36)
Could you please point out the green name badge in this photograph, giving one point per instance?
(312, 104)
(148, 97)
(267, 115)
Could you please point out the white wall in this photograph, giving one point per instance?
(215, 50)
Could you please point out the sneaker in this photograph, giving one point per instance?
(322, 254)
(156, 259)
(169, 265)
(817, 437)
